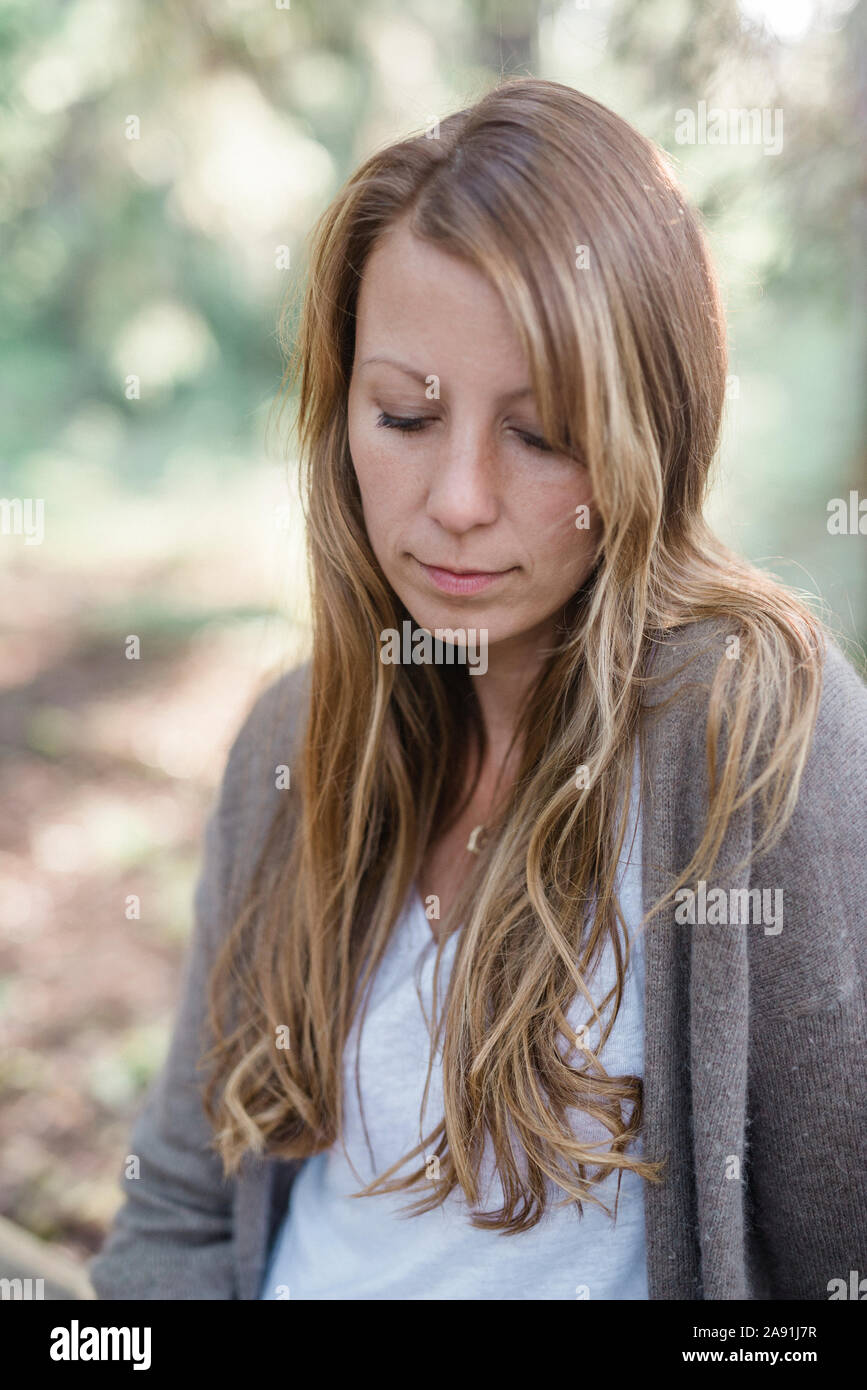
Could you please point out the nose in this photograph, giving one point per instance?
(463, 488)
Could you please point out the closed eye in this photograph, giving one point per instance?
(407, 423)
(534, 442)
(411, 424)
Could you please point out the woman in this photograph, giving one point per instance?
(529, 948)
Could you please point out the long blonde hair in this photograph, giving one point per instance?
(628, 361)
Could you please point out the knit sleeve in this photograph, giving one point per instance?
(173, 1236)
(808, 1017)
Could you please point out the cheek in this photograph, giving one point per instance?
(561, 529)
(371, 463)
(382, 484)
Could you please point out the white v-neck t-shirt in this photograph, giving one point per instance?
(334, 1246)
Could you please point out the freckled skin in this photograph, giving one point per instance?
(467, 491)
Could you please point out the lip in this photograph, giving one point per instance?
(462, 581)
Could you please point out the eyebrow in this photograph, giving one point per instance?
(423, 376)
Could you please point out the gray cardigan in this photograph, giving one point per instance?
(754, 1047)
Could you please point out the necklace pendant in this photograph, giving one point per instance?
(474, 843)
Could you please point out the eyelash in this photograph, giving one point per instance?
(412, 424)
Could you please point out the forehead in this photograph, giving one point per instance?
(419, 300)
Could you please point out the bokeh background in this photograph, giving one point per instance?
(161, 166)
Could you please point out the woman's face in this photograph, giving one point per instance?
(472, 521)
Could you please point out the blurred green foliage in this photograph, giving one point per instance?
(159, 254)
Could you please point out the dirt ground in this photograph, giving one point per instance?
(108, 768)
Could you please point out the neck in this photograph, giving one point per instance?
(513, 667)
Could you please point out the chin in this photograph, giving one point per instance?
(496, 626)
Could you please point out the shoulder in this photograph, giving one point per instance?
(841, 725)
(818, 963)
(259, 770)
(819, 863)
(684, 664)
(823, 744)
(270, 729)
